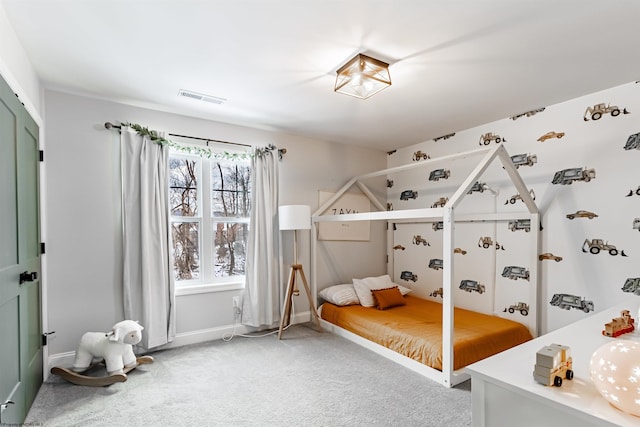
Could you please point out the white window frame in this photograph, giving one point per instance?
(207, 282)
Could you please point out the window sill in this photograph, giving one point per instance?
(208, 288)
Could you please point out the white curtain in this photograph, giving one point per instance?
(263, 294)
(149, 290)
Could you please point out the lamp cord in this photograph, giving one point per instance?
(228, 337)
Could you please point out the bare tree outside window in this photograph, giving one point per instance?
(222, 242)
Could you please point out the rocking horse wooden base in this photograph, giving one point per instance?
(80, 379)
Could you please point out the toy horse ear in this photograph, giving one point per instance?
(114, 334)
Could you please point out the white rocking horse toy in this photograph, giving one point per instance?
(114, 348)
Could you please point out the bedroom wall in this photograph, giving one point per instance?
(612, 195)
(84, 243)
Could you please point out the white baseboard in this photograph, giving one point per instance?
(182, 339)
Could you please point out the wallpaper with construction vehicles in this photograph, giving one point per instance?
(579, 160)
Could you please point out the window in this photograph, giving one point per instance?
(210, 205)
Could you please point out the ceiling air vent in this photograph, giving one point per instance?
(201, 96)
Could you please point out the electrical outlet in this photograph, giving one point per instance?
(236, 302)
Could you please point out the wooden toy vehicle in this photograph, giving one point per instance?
(553, 362)
(619, 325)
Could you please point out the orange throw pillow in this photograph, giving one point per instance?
(387, 298)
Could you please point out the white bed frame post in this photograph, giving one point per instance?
(447, 303)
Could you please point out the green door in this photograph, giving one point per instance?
(20, 305)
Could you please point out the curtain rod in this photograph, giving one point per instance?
(281, 151)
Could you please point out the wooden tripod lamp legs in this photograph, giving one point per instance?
(293, 290)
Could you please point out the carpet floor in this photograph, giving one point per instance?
(306, 379)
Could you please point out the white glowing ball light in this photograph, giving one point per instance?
(615, 371)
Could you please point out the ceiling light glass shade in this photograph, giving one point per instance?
(362, 77)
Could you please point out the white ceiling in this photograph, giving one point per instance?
(455, 64)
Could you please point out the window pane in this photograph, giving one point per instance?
(183, 187)
(230, 244)
(186, 252)
(230, 186)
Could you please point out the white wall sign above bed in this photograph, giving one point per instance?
(349, 203)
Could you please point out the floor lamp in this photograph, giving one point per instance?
(295, 217)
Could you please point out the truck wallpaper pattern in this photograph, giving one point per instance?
(579, 160)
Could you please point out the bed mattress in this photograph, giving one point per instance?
(415, 330)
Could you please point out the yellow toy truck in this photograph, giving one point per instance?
(553, 362)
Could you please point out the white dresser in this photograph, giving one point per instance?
(504, 392)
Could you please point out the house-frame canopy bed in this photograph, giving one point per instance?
(447, 374)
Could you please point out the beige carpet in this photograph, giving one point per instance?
(306, 379)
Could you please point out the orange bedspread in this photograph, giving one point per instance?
(415, 330)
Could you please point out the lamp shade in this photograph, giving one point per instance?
(295, 217)
(362, 76)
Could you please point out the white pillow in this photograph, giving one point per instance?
(340, 295)
(364, 287)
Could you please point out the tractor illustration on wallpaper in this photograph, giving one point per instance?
(633, 142)
(440, 202)
(486, 138)
(522, 307)
(595, 246)
(419, 240)
(596, 112)
(437, 293)
(632, 192)
(567, 176)
(438, 174)
(472, 286)
(517, 197)
(486, 242)
(437, 226)
(419, 155)
(568, 301)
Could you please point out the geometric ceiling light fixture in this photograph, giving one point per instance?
(362, 77)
